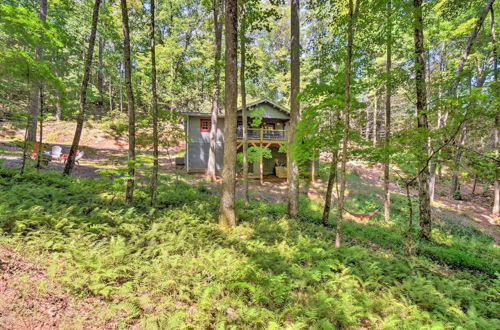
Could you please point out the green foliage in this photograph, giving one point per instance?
(172, 267)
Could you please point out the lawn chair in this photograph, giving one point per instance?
(35, 151)
(79, 155)
(56, 153)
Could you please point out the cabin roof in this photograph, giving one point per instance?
(250, 105)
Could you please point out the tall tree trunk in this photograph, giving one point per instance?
(496, 132)
(100, 78)
(227, 217)
(212, 161)
(293, 169)
(83, 91)
(110, 90)
(470, 41)
(388, 91)
(422, 123)
(129, 195)
(154, 101)
(244, 104)
(347, 108)
(36, 86)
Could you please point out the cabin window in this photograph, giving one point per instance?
(205, 125)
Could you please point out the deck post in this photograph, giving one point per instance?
(261, 162)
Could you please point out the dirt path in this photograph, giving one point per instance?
(29, 299)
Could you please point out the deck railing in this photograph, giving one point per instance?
(263, 134)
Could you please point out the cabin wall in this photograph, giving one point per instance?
(198, 145)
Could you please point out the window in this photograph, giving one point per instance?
(205, 125)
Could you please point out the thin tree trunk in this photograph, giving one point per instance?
(156, 165)
(496, 132)
(329, 188)
(110, 86)
(375, 115)
(388, 89)
(244, 105)
(34, 106)
(129, 195)
(227, 217)
(470, 41)
(345, 138)
(100, 79)
(212, 160)
(422, 123)
(40, 140)
(293, 169)
(70, 162)
(121, 88)
(455, 190)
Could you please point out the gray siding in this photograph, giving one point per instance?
(198, 145)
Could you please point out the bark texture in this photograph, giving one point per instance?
(422, 122)
(83, 91)
(154, 103)
(211, 169)
(34, 107)
(329, 188)
(129, 194)
(292, 166)
(227, 216)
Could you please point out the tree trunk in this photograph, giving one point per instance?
(36, 86)
(227, 217)
(212, 161)
(470, 41)
(244, 106)
(345, 138)
(293, 169)
(40, 140)
(388, 89)
(422, 123)
(496, 130)
(121, 88)
(129, 195)
(455, 190)
(375, 115)
(70, 162)
(329, 188)
(100, 78)
(110, 86)
(154, 101)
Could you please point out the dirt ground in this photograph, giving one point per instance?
(29, 299)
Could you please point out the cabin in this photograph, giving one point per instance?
(271, 133)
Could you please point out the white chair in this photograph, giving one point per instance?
(78, 157)
(56, 152)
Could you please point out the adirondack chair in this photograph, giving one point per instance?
(35, 151)
(56, 153)
(79, 155)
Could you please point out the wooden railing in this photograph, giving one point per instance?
(263, 134)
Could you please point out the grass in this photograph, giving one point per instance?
(172, 267)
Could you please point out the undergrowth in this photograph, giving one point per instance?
(171, 267)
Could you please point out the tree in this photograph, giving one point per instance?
(496, 130)
(129, 195)
(293, 169)
(244, 101)
(347, 107)
(154, 103)
(211, 168)
(422, 123)
(36, 87)
(227, 216)
(388, 92)
(83, 91)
